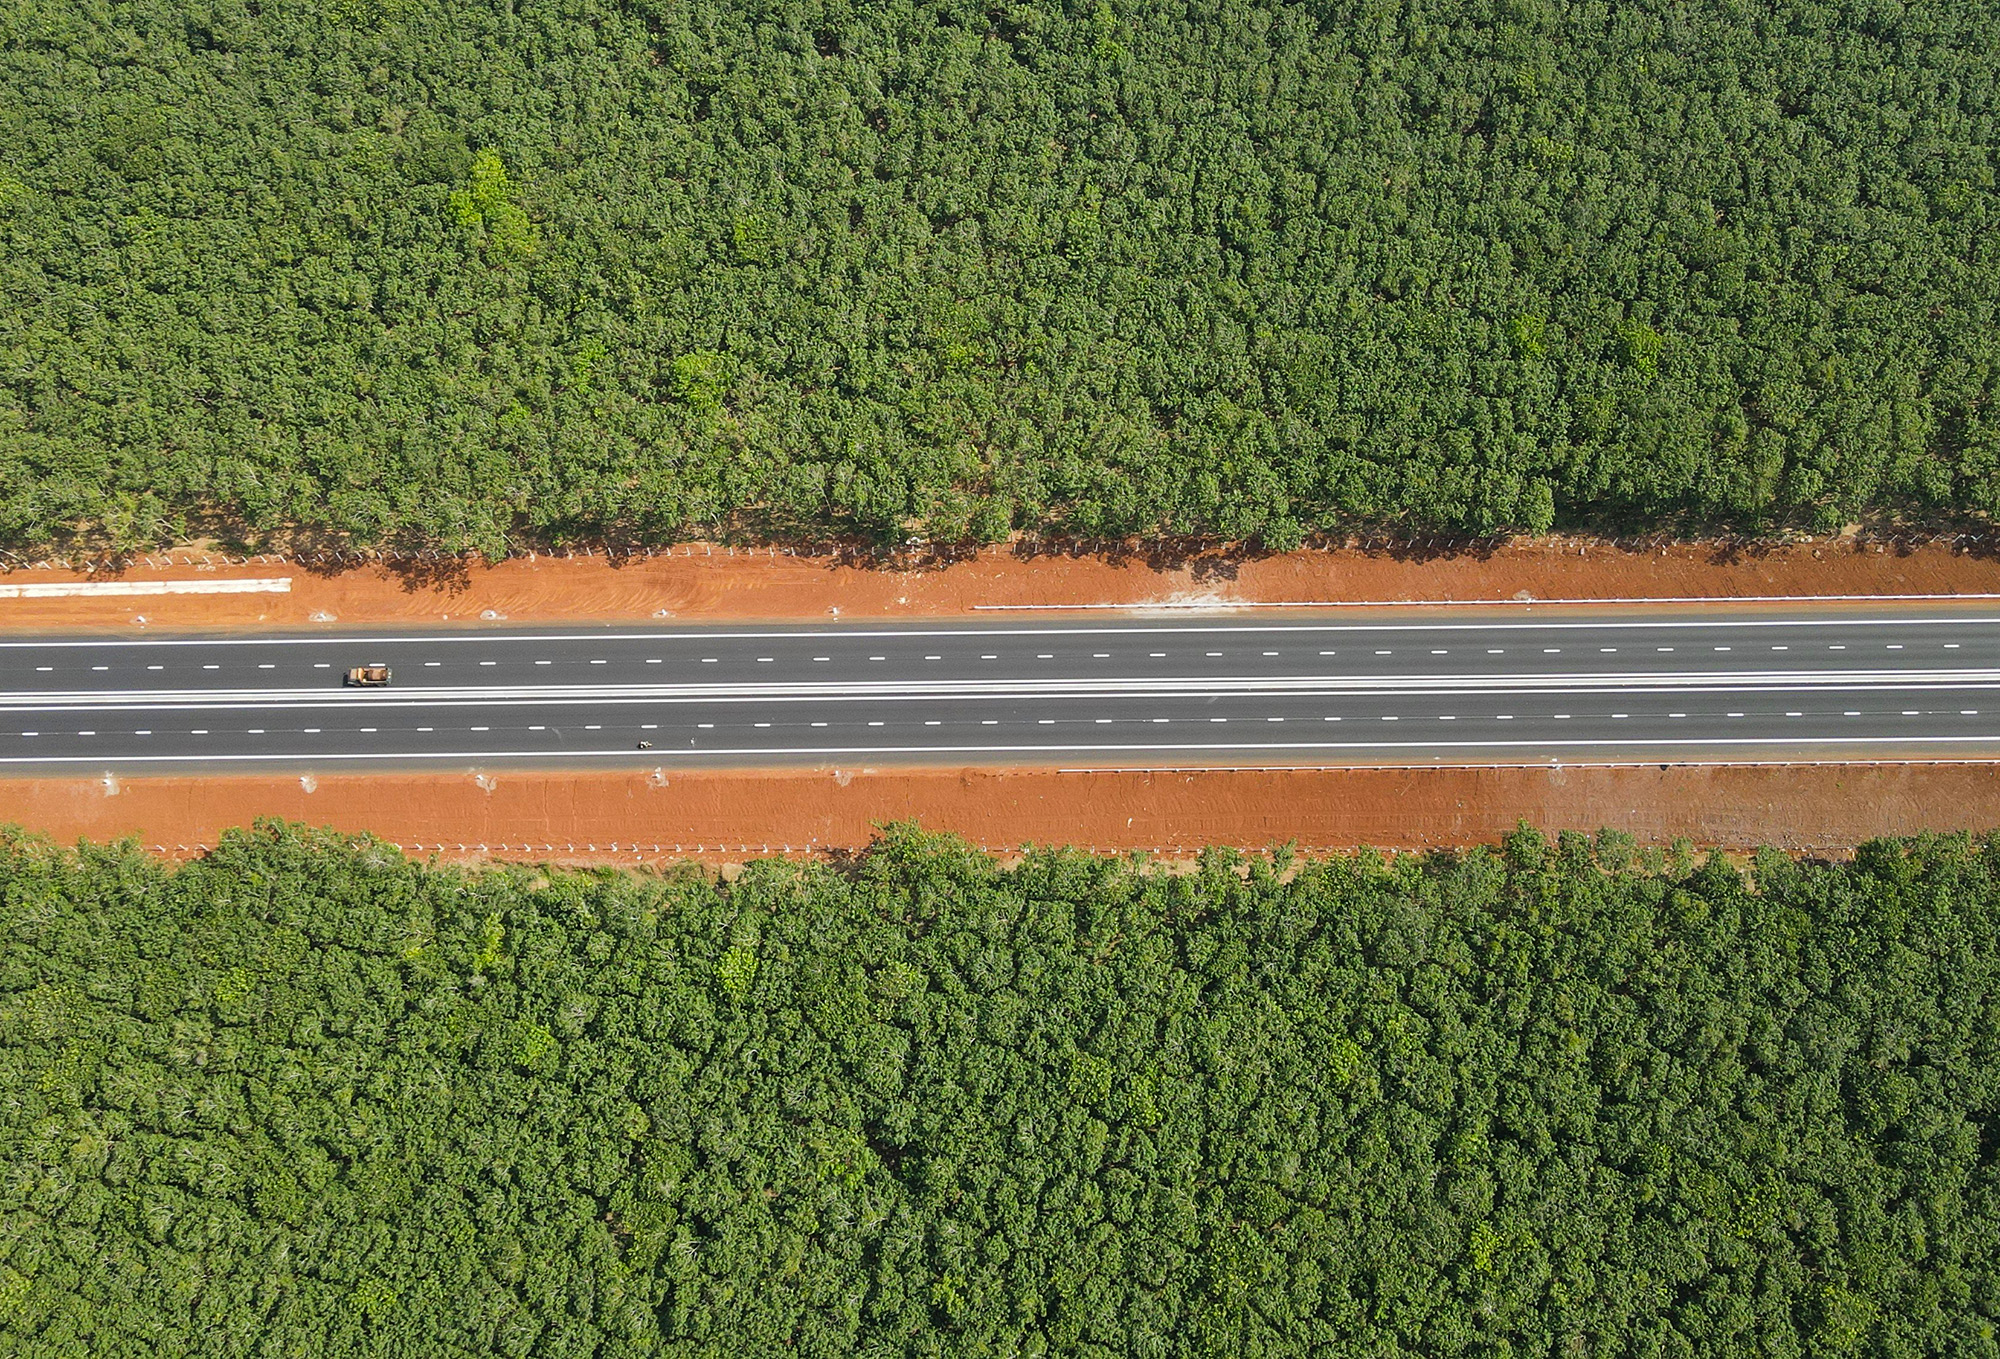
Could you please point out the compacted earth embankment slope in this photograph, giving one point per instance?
(722, 816)
(702, 582)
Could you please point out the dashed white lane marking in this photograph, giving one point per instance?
(1105, 655)
(1836, 647)
(1552, 651)
(434, 728)
(432, 665)
(1850, 713)
(989, 722)
(1211, 653)
(878, 658)
(1736, 714)
(317, 665)
(211, 667)
(143, 731)
(710, 726)
(1161, 721)
(1103, 721)
(654, 660)
(760, 724)
(1157, 655)
(1218, 719)
(1893, 646)
(1047, 721)
(496, 662)
(1043, 656)
(1663, 648)
(819, 724)
(1503, 717)
(933, 723)
(1951, 646)
(544, 662)
(365, 728)
(36, 733)
(1722, 648)
(1274, 719)
(537, 728)
(1790, 714)
(710, 660)
(1330, 719)
(1968, 712)
(933, 658)
(1676, 714)
(872, 724)
(321, 666)
(310, 731)
(1909, 712)
(828, 658)
(1329, 653)
(1270, 653)
(649, 726)
(1496, 651)
(1608, 650)
(1621, 714)
(106, 667)
(1562, 717)
(1389, 719)
(594, 726)
(1447, 717)
(479, 729)
(258, 730)
(761, 660)
(983, 658)
(1781, 648)
(1384, 653)
(194, 731)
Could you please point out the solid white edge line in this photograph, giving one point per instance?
(658, 756)
(1136, 630)
(1218, 606)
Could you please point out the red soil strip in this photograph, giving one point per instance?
(728, 816)
(704, 584)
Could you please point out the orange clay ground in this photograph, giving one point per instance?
(723, 815)
(727, 817)
(709, 584)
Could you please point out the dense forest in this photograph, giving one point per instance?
(516, 271)
(306, 1097)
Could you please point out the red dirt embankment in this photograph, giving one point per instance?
(728, 816)
(708, 584)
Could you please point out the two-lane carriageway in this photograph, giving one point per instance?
(1432, 686)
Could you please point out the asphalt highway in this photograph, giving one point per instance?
(1440, 686)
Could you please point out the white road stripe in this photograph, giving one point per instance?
(472, 635)
(128, 589)
(1772, 681)
(623, 752)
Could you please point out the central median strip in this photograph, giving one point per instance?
(970, 690)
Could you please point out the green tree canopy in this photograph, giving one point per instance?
(303, 1096)
(1248, 268)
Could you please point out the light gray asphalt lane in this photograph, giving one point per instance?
(1435, 687)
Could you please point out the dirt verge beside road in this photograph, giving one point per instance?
(696, 584)
(729, 816)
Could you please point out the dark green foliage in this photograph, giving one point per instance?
(306, 1098)
(506, 268)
